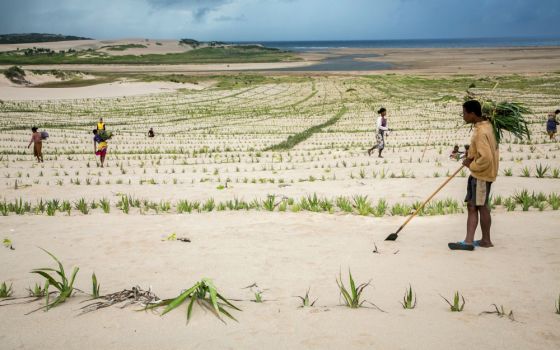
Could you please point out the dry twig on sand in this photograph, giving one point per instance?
(134, 296)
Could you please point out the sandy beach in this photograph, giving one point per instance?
(286, 254)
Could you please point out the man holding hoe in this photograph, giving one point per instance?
(482, 160)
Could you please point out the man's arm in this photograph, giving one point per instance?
(485, 152)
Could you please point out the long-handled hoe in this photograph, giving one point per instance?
(394, 236)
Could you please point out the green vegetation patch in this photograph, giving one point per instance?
(304, 135)
(124, 47)
(227, 54)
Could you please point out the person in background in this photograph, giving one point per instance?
(552, 124)
(37, 142)
(381, 132)
(100, 124)
(99, 146)
(151, 132)
(455, 154)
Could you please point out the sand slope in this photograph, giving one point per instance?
(285, 254)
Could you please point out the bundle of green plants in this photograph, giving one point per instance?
(507, 116)
(65, 285)
(203, 293)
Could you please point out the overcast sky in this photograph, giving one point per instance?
(260, 20)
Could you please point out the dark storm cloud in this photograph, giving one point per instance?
(283, 19)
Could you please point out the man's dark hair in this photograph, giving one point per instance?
(381, 110)
(557, 111)
(34, 129)
(473, 106)
(95, 131)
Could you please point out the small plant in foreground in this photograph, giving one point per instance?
(353, 295)
(65, 286)
(8, 243)
(37, 291)
(409, 299)
(306, 301)
(258, 296)
(5, 291)
(94, 286)
(500, 312)
(455, 307)
(205, 294)
(558, 306)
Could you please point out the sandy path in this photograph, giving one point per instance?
(116, 89)
(286, 254)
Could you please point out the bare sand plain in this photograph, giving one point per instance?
(285, 220)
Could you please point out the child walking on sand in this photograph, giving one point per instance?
(381, 132)
(552, 124)
(99, 146)
(482, 160)
(37, 141)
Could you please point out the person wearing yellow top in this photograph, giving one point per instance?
(483, 161)
(100, 124)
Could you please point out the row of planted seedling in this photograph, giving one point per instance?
(358, 204)
(204, 293)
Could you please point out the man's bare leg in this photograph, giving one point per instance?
(472, 223)
(485, 224)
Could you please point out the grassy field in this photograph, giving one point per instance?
(230, 54)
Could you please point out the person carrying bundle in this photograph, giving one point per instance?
(100, 145)
(483, 159)
(100, 124)
(37, 141)
(381, 132)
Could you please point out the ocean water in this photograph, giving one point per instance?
(408, 43)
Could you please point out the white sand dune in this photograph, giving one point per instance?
(286, 254)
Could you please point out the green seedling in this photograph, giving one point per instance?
(205, 294)
(306, 301)
(352, 296)
(500, 312)
(171, 237)
(409, 299)
(8, 243)
(558, 305)
(94, 286)
(65, 286)
(258, 297)
(455, 307)
(5, 291)
(37, 291)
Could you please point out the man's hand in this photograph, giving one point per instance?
(467, 162)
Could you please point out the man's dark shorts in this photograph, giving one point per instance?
(478, 192)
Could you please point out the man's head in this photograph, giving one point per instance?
(472, 111)
(456, 148)
(557, 111)
(101, 120)
(382, 111)
(34, 129)
(95, 131)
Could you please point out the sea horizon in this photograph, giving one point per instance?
(310, 45)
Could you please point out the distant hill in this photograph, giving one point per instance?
(36, 38)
